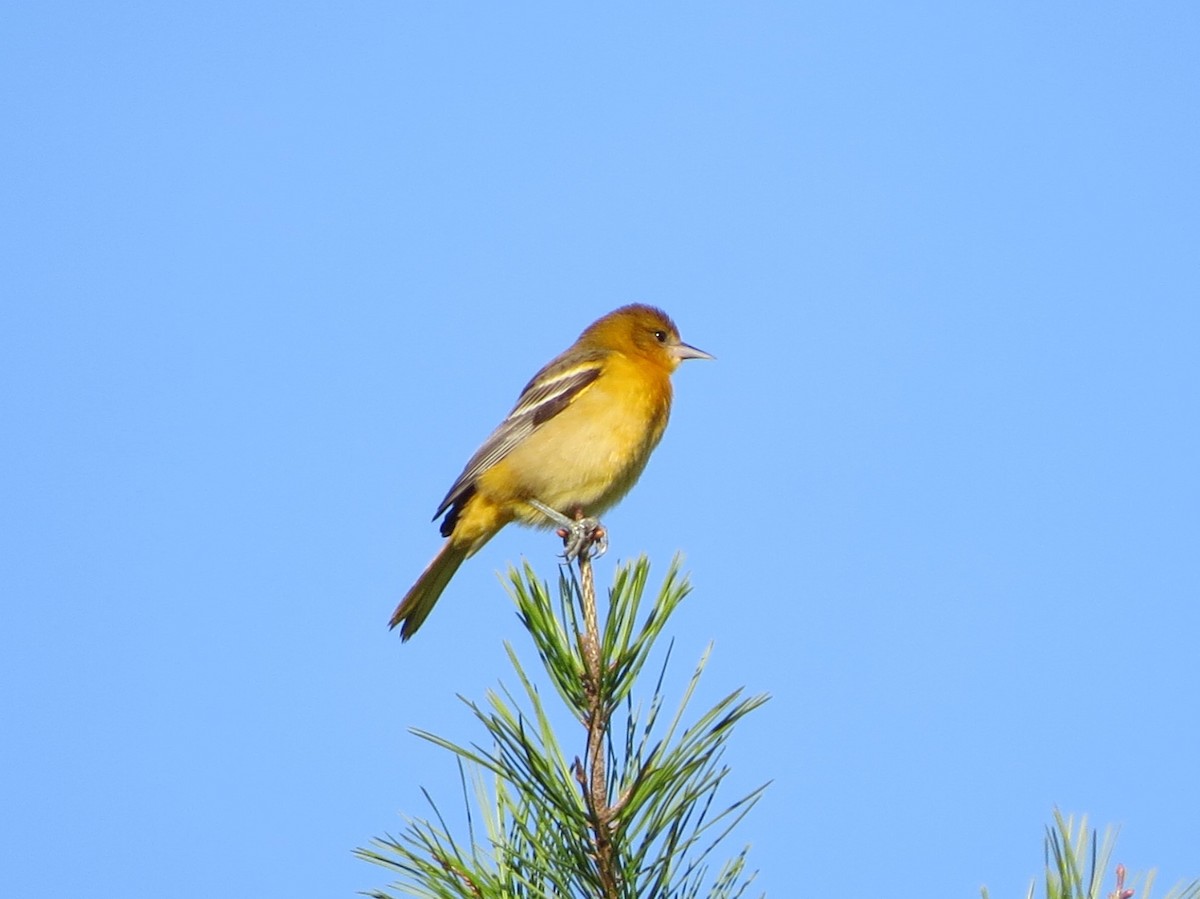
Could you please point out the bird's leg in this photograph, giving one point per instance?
(580, 534)
(595, 539)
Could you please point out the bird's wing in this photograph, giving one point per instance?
(552, 389)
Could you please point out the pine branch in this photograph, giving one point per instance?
(637, 816)
(600, 812)
(1076, 859)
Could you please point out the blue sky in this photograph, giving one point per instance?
(270, 273)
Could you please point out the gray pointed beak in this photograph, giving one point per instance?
(683, 351)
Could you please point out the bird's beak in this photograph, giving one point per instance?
(683, 351)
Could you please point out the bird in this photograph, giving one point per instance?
(576, 441)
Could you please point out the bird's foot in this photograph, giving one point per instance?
(584, 537)
(581, 536)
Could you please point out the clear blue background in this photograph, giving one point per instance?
(270, 273)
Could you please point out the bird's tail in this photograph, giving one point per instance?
(420, 600)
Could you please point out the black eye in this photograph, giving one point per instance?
(660, 336)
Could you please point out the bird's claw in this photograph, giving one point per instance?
(584, 537)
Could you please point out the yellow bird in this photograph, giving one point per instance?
(576, 441)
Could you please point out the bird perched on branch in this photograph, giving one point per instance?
(576, 441)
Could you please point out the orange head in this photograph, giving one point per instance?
(643, 331)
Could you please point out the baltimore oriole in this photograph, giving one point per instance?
(576, 441)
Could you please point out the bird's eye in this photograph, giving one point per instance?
(660, 336)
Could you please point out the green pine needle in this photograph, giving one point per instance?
(538, 834)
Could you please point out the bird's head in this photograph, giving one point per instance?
(643, 331)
